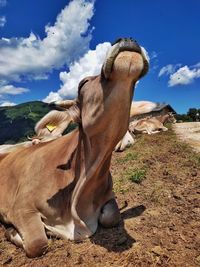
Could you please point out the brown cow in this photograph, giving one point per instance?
(151, 125)
(137, 108)
(65, 185)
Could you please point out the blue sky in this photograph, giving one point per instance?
(48, 46)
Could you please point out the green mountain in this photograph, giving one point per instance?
(17, 122)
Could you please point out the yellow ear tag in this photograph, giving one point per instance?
(51, 127)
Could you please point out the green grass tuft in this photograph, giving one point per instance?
(136, 175)
(128, 157)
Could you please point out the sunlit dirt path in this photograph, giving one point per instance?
(189, 132)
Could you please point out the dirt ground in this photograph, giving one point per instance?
(157, 185)
(190, 133)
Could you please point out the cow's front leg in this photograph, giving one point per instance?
(110, 215)
(33, 234)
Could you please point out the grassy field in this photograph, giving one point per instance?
(157, 185)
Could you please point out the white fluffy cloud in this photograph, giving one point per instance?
(12, 90)
(53, 96)
(184, 76)
(179, 75)
(65, 42)
(89, 64)
(166, 70)
(7, 104)
(2, 21)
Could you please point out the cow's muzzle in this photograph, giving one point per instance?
(120, 45)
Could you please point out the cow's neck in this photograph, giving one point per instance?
(94, 183)
(163, 118)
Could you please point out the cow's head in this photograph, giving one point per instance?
(108, 96)
(171, 118)
(124, 64)
(123, 60)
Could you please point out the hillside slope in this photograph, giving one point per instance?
(17, 122)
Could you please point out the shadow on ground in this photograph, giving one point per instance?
(117, 239)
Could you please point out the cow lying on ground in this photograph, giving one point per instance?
(137, 108)
(148, 125)
(65, 185)
(151, 125)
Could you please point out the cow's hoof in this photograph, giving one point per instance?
(110, 215)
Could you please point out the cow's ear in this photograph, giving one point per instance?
(49, 122)
(62, 105)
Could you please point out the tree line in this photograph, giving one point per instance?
(193, 114)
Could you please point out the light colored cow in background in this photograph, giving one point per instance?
(167, 118)
(151, 125)
(148, 125)
(137, 108)
(65, 186)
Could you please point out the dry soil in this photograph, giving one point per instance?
(157, 185)
(189, 132)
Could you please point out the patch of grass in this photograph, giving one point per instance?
(120, 186)
(195, 158)
(128, 157)
(136, 175)
(131, 156)
(120, 189)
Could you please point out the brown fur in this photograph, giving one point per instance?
(65, 186)
(151, 125)
(166, 118)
